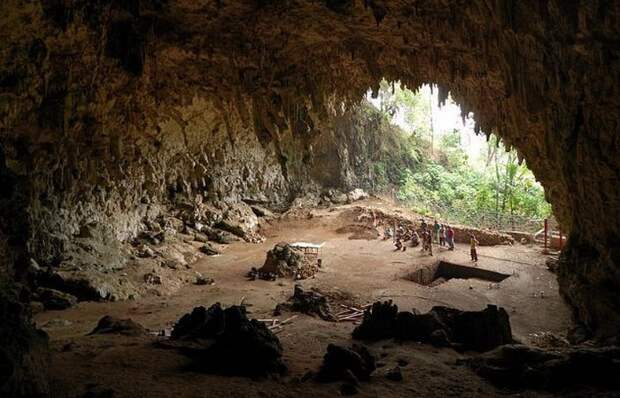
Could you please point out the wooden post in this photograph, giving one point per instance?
(546, 231)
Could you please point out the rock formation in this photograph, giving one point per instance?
(112, 113)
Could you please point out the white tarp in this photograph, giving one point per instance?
(306, 245)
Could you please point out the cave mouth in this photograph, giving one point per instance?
(443, 271)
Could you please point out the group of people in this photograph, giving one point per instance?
(441, 234)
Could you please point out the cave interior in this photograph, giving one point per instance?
(116, 114)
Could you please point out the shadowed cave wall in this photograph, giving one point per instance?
(111, 110)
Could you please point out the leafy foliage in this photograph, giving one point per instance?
(441, 180)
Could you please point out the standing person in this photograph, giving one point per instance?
(442, 235)
(436, 228)
(450, 237)
(429, 242)
(473, 244)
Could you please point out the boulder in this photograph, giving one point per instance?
(225, 341)
(378, 322)
(202, 280)
(53, 299)
(209, 250)
(112, 325)
(356, 194)
(261, 211)
(339, 363)
(311, 303)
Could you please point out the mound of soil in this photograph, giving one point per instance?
(225, 341)
(441, 326)
(359, 232)
(286, 261)
(373, 218)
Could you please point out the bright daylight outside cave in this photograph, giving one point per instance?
(309, 198)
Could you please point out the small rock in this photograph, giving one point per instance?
(172, 264)
(394, 374)
(146, 252)
(55, 300)
(152, 279)
(202, 280)
(209, 250)
(200, 237)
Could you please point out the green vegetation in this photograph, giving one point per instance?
(490, 189)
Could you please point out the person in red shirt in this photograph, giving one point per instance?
(450, 237)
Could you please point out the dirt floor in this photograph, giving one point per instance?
(355, 271)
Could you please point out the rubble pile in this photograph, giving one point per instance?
(311, 302)
(346, 364)
(441, 326)
(225, 341)
(112, 325)
(522, 367)
(286, 261)
(359, 232)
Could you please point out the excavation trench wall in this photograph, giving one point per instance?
(111, 111)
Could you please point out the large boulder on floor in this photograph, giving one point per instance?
(53, 299)
(225, 341)
(285, 260)
(341, 363)
(24, 351)
(356, 194)
(378, 322)
(112, 325)
(441, 326)
(240, 220)
(311, 302)
(219, 236)
(523, 367)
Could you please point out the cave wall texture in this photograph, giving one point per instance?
(109, 108)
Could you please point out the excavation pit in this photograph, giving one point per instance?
(443, 271)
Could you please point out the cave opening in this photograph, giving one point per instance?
(440, 164)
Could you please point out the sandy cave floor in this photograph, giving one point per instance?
(355, 271)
